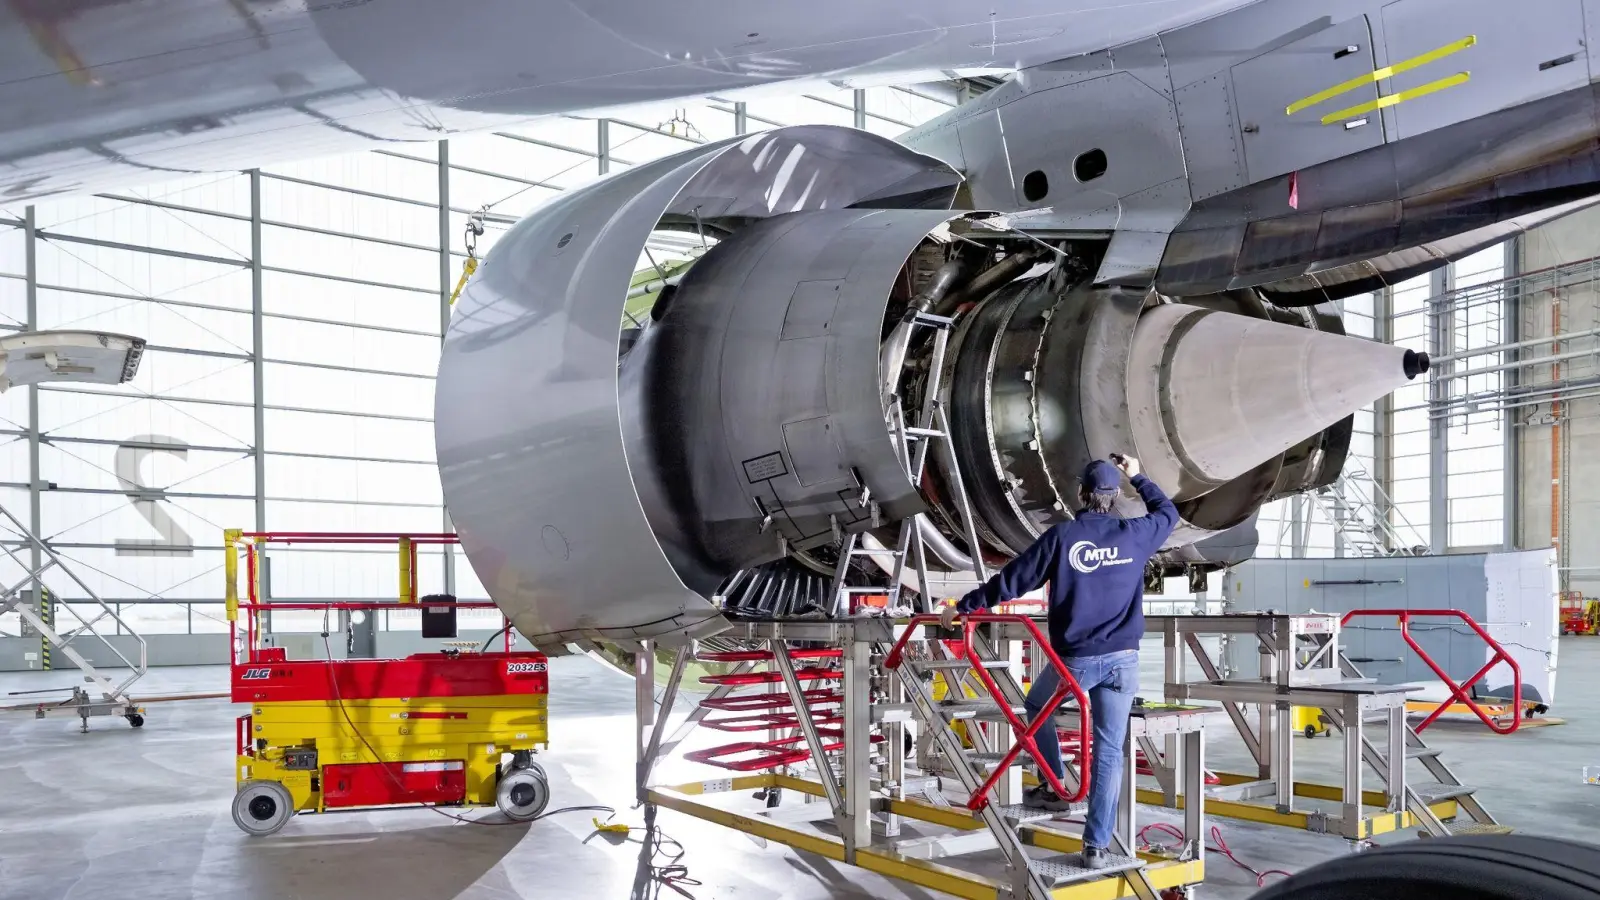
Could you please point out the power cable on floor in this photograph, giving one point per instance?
(1218, 846)
(662, 867)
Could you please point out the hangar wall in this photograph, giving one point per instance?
(293, 316)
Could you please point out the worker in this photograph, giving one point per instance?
(1094, 565)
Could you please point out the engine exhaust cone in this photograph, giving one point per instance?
(1213, 395)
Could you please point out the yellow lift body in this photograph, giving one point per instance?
(457, 728)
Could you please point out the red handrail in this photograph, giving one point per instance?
(1024, 731)
(1457, 691)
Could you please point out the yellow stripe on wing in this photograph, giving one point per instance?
(1389, 100)
(1385, 72)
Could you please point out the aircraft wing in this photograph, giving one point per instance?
(96, 93)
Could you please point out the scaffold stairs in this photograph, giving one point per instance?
(996, 737)
(12, 598)
(1421, 797)
(1360, 513)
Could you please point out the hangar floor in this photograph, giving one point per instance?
(143, 815)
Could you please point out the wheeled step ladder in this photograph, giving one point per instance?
(980, 769)
(1420, 798)
(114, 699)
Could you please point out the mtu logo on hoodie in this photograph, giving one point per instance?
(1089, 616)
(1086, 557)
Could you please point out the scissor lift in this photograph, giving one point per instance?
(454, 729)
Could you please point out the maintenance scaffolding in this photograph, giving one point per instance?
(900, 745)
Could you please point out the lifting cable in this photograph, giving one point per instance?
(475, 221)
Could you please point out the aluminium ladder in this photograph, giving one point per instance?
(1360, 511)
(1420, 798)
(913, 443)
(980, 769)
(114, 699)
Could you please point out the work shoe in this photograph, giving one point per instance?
(1095, 858)
(1045, 797)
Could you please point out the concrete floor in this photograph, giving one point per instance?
(144, 814)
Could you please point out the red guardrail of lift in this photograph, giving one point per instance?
(1024, 731)
(1458, 692)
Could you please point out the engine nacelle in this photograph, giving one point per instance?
(618, 476)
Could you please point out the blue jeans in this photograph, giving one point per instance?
(1111, 681)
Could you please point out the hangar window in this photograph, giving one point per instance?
(1089, 165)
(1035, 185)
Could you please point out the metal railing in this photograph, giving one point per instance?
(254, 545)
(1364, 515)
(1025, 732)
(1458, 692)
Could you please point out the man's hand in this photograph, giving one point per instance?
(1128, 464)
(947, 617)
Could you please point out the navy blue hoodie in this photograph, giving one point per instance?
(1095, 567)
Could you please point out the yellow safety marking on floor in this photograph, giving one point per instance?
(1377, 75)
(1163, 874)
(1389, 100)
(1372, 824)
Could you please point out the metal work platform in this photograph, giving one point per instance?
(828, 751)
(1302, 666)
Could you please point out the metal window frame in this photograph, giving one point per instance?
(261, 267)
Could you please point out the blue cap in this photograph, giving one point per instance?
(1101, 477)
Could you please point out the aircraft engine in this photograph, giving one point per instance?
(634, 440)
